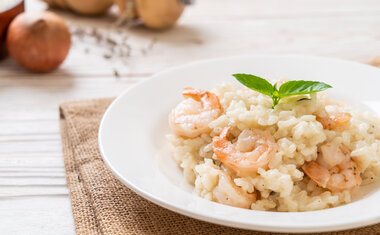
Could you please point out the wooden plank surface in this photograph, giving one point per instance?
(33, 192)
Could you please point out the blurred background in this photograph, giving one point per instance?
(214, 28)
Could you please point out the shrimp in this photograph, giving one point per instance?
(228, 193)
(192, 116)
(253, 150)
(334, 169)
(333, 119)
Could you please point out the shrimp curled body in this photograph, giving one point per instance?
(228, 193)
(334, 169)
(333, 119)
(253, 150)
(192, 116)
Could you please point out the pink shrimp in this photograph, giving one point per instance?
(191, 117)
(334, 169)
(253, 150)
(228, 193)
(333, 120)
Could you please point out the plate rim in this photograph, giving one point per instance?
(215, 220)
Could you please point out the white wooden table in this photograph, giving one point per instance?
(33, 192)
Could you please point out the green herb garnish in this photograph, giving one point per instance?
(287, 89)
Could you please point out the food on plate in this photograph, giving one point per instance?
(191, 117)
(238, 157)
(275, 147)
(334, 168)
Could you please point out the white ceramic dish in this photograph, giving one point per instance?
(133, 144)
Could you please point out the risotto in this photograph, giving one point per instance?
(307, 153)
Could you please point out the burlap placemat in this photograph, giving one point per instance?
(103, 205)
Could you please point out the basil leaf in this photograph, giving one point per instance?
(301, 87)
(255, 83)
(287, 89)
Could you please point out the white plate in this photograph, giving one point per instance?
(133, 144)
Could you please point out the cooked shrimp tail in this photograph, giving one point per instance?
(253, 150)
(334, 169)
(334, 120)
(192, 116)
(228, 193)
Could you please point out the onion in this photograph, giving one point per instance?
(159, 14)
(39, 41)
(9, 9)
(89, 7)
(83, 7)
(57, 4)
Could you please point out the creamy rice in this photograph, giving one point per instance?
(282, 186)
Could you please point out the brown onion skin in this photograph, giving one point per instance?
(6, 18)
(89, 7)
(159, 14)
(39, 41)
